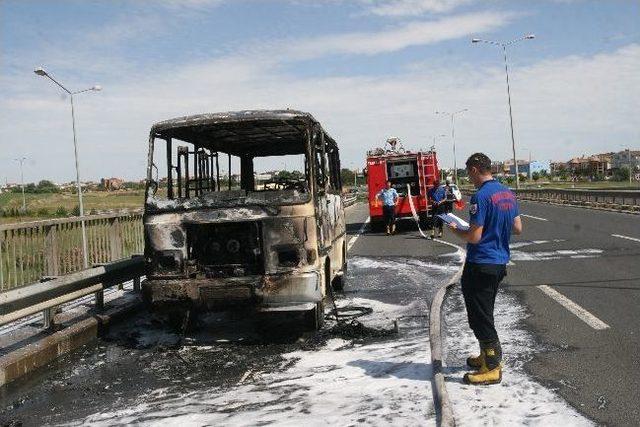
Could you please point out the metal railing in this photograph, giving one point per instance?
(348, 201)
(32, 250)
(621, 200)
(27, 300)
(610, 199)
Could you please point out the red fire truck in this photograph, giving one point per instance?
(419, 170)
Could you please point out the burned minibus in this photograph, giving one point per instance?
(220, 233)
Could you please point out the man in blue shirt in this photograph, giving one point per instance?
(437, 196)
(389, 197)
(494, 217)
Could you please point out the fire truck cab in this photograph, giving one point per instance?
(416, 172)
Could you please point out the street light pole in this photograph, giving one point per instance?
(43, 73)
(24, 201)
(453, 139)
(506, 70)
(628, 159)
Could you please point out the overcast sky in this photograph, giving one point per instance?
(366, 69)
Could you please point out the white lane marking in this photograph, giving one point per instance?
(626, 237)
(360, 231)
(582, 314)
(534, 217)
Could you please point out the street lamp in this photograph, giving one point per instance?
(506, 70)
(41, 72)
(24, 201)
(453, 138)
(628, 150)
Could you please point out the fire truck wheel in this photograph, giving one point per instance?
(377, 225)
(425, 222)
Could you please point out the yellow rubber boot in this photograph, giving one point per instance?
(484, 375)
(475, 362)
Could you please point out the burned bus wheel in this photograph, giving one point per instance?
(314, 319)
(339, 281)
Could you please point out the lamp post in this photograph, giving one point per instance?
(24, 201)
(506, 70)
(96, 88)
(453, 138)
(628, 150)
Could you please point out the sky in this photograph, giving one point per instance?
(366, 69)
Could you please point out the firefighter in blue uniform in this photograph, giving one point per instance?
(494, 217)
(438, 198)
(389, 197)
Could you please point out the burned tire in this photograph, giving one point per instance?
(339, 281)
(314, 319)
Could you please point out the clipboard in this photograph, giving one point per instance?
(449, 218)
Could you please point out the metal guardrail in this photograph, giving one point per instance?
(24, 301)
(626, 200)
(32, 250)
(348, 201)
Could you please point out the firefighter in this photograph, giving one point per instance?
(438, 201)
(389, 197)
(449, 197)
(494, 217)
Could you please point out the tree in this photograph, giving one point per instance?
(535, 176)
(563, 174)
(621, 174)
(347, 176)
(46, 186)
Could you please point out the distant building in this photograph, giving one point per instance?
(556, 167)
(621, 159)
(527, 168)
(497, 168)
(112, 184)
(597, 164)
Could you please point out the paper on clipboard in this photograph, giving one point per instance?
(448, 218)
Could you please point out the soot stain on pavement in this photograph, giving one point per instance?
(146, 360)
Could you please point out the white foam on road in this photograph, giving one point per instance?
(408, 265)
(343, 383)
(519, 399)
(385, 381)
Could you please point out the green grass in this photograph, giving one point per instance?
(98, 200)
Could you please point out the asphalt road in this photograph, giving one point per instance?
(579, 254)
(141, 369)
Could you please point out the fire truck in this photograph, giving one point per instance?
(408, 171)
